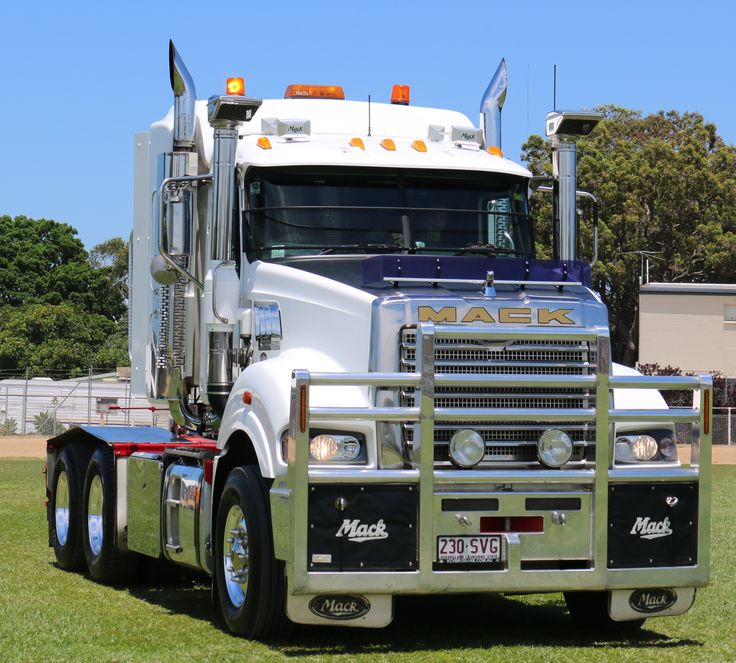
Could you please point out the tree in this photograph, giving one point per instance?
(60, 307)
(57, 337)
(43, 261)
(666, 183)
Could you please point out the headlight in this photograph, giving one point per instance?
(554, 448)
(331, 447)
(655, 445)
(467, 448)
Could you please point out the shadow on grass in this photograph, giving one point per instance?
(428, 623)
(447, 622)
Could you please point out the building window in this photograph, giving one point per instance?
(729, 313)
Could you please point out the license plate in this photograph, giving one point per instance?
(480, 549)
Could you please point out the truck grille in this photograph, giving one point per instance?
(506, 442)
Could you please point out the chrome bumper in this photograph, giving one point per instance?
(585, 537)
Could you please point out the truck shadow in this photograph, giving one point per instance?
(482, 621)
(428, 623)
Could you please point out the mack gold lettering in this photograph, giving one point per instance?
(478, 314)
(445, 314)
(522, 315)
(558, 315)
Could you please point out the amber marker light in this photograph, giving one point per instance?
(296, 91)
(388, 144)
(303, 408)
(357, 142)
(264, 143)
(400, 95)
(706, 414)
(495, 151)
(419, 146)
(247, 397)
(235, 86)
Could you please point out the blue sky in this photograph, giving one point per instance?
(80, 78)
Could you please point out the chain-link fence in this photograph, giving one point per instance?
(43, 405)
(723, 427)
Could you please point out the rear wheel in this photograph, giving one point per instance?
(249, 580)
(106, 564)
(590, 610)
(65, 508)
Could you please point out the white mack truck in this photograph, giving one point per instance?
(376, 388)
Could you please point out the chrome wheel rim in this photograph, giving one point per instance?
(235, 556)
(94, 515)
(61, 511)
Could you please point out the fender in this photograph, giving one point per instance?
(267, 415)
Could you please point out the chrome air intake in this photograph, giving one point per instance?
(564, 129)
(507, 443)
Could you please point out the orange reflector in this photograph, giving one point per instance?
(419, 146)
(235, 86)
(264, 143)
(400, 95)
(388, 144)
(495, 151)
(357, 142)
(247, 397)
(706, 414)
(314, 92)
(303, 408)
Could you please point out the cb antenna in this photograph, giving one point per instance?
(369, 115)
(554, 88)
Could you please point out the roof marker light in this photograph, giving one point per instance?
(495, 151)
(388, 144)
(264, 143)
(436, 133)
(296, 91)
(400, 95)
(357, 142)
(235, 86)
(419, 146)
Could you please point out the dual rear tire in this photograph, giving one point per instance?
(82, 515)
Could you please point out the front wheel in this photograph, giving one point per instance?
(105, 562)
(590, 611)
(249, 579)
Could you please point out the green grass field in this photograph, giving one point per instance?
(47, 614)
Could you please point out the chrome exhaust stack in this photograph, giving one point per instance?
(564, 129)
(185, 95)
(491, 106)
(173, 350)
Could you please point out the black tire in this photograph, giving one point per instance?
(105, 562)
(254, 608)
(590, 611)
(65, 507)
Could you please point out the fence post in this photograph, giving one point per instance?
(24, 407)
(89, 396)
(728, 428)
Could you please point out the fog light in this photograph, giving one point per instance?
(636, 448)
(554, 448)
(467, 448)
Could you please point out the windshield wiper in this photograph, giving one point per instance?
(362, 247)
(490, 249)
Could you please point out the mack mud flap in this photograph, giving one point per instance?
(362, 528)
(652, 525)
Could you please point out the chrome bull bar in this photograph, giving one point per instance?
(424, 415)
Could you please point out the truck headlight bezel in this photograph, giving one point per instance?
(646, 446)
(331, 447)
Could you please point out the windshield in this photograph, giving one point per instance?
(308, 211)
